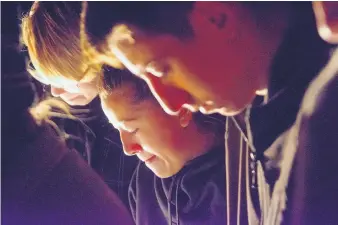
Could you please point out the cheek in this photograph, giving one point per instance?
(158, 138)
(171, 98)
(88, 90)
(153, 141)
(214, 74)
(195, 77)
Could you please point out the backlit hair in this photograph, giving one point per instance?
(98, 19)
(51, 33)
(154, 17)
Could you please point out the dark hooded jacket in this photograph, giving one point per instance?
(265, 129)
(314, 144)
(195, 195)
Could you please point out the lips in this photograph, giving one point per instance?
(145, 157)
(69, 97)
(150, 159)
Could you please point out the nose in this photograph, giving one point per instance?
(56, 92)
(170, 98)
(130, 147)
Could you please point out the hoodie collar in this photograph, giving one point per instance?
(299, 59)
(196, 171)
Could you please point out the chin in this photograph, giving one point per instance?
(227, 112)
(163, 174)
(223, 111)
(234, 108)
(78, 102)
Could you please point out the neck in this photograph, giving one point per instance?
(201, 142)
(273, 35)
(301, 53)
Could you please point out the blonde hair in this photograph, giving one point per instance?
(51, 32)
(47, 108)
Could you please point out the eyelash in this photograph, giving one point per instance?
(130, 131)
(134, 131)
(151, 68)
(126, 129)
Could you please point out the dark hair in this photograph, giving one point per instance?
(113, 79)
(155, 17)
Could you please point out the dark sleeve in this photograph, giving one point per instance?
(43, 182)
(316, 189)
(48, 184)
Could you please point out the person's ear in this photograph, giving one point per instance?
(185, 116)
(327, 20)
(210, 18)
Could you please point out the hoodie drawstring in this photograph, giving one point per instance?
(176, 200)
(169, 199)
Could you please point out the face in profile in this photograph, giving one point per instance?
(74, 93)
(146, 131)
(216, 70)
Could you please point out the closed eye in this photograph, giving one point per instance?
(129, 129)
(133, 131)
(158, 68)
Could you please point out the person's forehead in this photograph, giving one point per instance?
(119, 106)
(128, 48)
